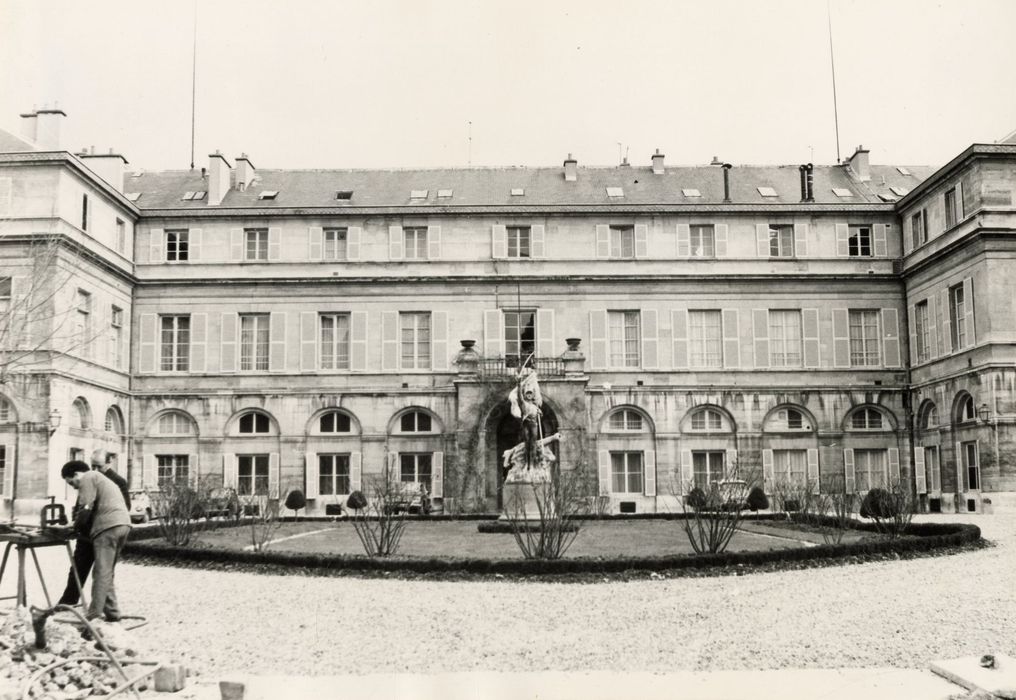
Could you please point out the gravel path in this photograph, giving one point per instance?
(899, 613)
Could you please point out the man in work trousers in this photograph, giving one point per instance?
(84, 553)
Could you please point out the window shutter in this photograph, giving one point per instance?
(194, 245)
(353, 236)
(9, 462)
(881, 247)
(157, 249)
(499, 241)
(149, 472)
(730, 465)
(437, 475)
(493, 333)
(762, 240)
(308, 341)
(921, 484)
(767, 471)
(933, 324)
(813, 474)
(229, 470)
(843, 240)
(604, 463)
(914, 356)
(894, 466)
(315, 237)
(273, 475)
(198, 342)
(959, 467)
(679, 320)
(392, 471)
(538, 241)
(907, 238)
(274, 244)
(389, 340)
(193, 469)
(227, 342)
(683, 240)
(650, 339)
(809, 327)
(598, 339)
(721, 233)
(358, 341)
(945, 314)
(433, 242)
(277, 345)
(312, 481)
(439, 340)
(686, 473)
(891, 337)
(641, 241)
(841, 338)
(959, 201)
(355, 471)
(801, 240)
(236, 244)
(968, 302)
(650, 476)
(731, 339)
(545, 332)
(396, 243)
(849, 484)
(602, 241)
(147, 354)
(760, 326)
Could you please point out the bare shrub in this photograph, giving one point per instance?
(263, 520)
(548, 532)
(891, 509)
(837, 506)
(795, 496)
(381, 522)
(176, 506)
(714, 514)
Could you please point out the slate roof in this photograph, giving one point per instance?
(9, 143)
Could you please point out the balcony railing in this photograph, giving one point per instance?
(508, 366)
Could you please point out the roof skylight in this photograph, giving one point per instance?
(344, 194)
(199, 195)
(901, 191)
(767, 192)
(444, 194)
(615, 192)
(187, 196)
(418, 194)
(691, 192)
(887, 197)
(133, 196)
(518, 192)
(903, 171)
(268, 194)
(842, 192)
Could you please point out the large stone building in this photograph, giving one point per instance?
(845, 325)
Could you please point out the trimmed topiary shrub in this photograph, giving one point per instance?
(295, 500)
(879, 504)
(757, 499)
(356, 500)
(697, 498)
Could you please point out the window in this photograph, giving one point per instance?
(335, 422)
(859, 242)
(707, 419)
(519, 241)
(865, 339)
(842, 192)
(932, 469)
(950, 208)
(626, 472)
(707, 468)
(253, 342)
(5, 410)
(958, 316)
(116, 336)
(344, 194)
(114, 422)
(415, 334)
(930, 420)
(918, 228)
(335, 341)
(922, 331)
(869, 469)
(254, 423)
(418, 194)
(333, 475)
(622, 241)
(335, 242)
(83, 319)
(615, 192)
(81, 415)
(256, 240)
(781, 241)
(767, 192)
(625, 338)
(866, 419)
(174, 424)
(788, 419)
(626, 421)
(518, 192)
(967, 412)
(173, 469)
(121, 236)
(415, 240)
(416, 468)
(703, 241)
(789, 467)
(252, 475)
(268, 194)
(84, 212)
(444, 194)
(705, 339)
(76, 454)
(415, 422)
(519, 336)
(785, 338)
(691, 192)
(177, 246)
(174, 343)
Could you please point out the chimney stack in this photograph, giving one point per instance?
(726, 181)
(804, 183)
(29, 125)
(809, 181)
(244, 172)
(47, 129)
(571, 169)
(218, 178)
(859, 164)
(657, 163)
(109, 166)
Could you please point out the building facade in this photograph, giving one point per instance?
(840, 326)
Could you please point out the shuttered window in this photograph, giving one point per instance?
(519, 336)
(785, 337)
(172, 469)
(781, 241)
(626, 472)
(414, 334)
(870, 469)
(859, 242)
(335, 341)
(416, 468)
(625, 339)
(922, 331)
(622, 241)
(958, 316)
(254, 342)
(255, 244)
(790, 467)
(415, 242)
(518, 241)
(174, 343)
(865, 338)
(707, 467)
(177, 246)
(705, 339)
(252, 475)
(333, 474)
(703, 241)
(335, 243)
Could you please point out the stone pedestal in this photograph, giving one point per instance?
(520, 500)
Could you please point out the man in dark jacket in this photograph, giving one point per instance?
(84, 552)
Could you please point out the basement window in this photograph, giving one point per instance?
(518, 192)
(691, 192)
(133, 196)
(418, 194)
(444, 194)
(344, 194)
(903, 171)
(767, 192)
(615, 192)
(842, 192)
(900, 191)
(268, 194)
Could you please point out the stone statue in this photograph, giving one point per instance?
(530, 460)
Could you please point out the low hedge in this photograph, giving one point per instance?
(920, 537)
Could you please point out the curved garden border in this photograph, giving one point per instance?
(920, 538)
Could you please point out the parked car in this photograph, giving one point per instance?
(141, 507)
(221, 502)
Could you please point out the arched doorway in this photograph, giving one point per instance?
(506, 431)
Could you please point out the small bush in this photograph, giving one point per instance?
(356, 500)
(757, 499)
(879, 504)
(295, 500)
(697, 498)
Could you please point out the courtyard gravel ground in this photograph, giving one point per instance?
(901, 614)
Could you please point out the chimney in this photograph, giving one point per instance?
(47, 129)
(859, 164)
(29, 124)
(109, 167)
(809, 181)
(657, 163)
(571, 169)
(218, 178)
(726, 181)
(244, 172)
(804, 183)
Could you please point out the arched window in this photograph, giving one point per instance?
(866, 419)
(335, 422)
(707, 419)
(114, 421)
(254, 423)
(626, 421)
(788, 419)
(967, 410)
(81, 416)
(415, 422)
(930, 418)
(174, 423)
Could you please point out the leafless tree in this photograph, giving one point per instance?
(837, 505)
(712, 519)
(381, 523)
(263, 519)
(176, 507)
(795, 496)
(547, 528)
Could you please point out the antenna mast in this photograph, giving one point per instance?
(194, 82)
(832, 65)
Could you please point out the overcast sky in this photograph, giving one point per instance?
(327, 84)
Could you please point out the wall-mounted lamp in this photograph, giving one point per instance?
(54, 420)
(984, 413)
